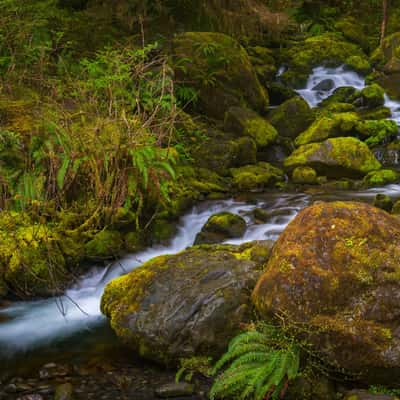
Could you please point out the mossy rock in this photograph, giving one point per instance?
(335, 271)
(220, 69)
(357, 394)
(305, 175)
(377, 131)
(381, 177)
(104, 245)
(279, 93)
(335, 158)
(256, 177)
(220, 227)
(373, 96)
(359, 64)
(353, 31)
(396, 208)
(245, 122)
(325, 127)
(383, 201)
(344, 94)
(327, 49)
(376, 113)
(31, 259)
(247, 151)
(187, 304)
(291, 117)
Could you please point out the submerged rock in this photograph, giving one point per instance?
(176, 389)
(383, 201)
(220, 227)
(190, 303)
(337, 157)
(335, 270)
(220, 69)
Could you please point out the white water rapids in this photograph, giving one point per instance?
(32, 323)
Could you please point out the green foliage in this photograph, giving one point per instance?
(261, 363)
(379, 389)
(190, 366)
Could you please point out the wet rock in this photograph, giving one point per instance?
(31, 397)
(326, 85)
(278, 93)
(291, 117)
(190, 303)
(307, 388)
(381, 177)
(261, 215)
(383, 201)
(64, 392)
(52, 370)
(335, 270)
(373, 96)
(396, 208)
(365, 395)
(180, 389)
(337, 157)
(220, 227)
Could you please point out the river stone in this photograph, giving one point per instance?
(336, 157)
(335, 270)
(190, 303)
(326, 85)
(177, 389)
(220, 227)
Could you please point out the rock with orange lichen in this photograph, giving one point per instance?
(335, 275)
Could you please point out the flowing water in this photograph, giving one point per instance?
(34, 324)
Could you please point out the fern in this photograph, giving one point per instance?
(261, 362)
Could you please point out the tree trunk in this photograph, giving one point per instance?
(384, 19)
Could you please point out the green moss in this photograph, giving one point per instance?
(256, 177)
(326, 127)
(373, 96)
(377, 131)
(359, 64)
(248, 123)
(291, 117)
(335, 157)
(104, 244)
(304, 175)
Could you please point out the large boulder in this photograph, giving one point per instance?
(334, 275)
(220, 69)
(190, 303)
(337, 157)
(220, 227)
(291, 117)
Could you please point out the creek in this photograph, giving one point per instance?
(71, 327)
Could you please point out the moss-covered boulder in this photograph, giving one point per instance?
(335, 272)
(381, 177)
(256, 177)
(372, 96)
(105, 244)
(377, 131)
(190, 303)
(376, 394)
(344, 94)
(220, 69)
(386, 59)
(220, 227)
(263, 62)
(328, 49)
(304, 175)
(279, 93)
(396, 208)
(291, 117)
(328, 126)
(353, 31)
(32, 262)
(245, 122)
(337, 157)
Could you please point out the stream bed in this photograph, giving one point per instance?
(68, 339)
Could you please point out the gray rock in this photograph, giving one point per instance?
(175, 390)
(325, 86)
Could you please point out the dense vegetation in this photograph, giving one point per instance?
(116, 116)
